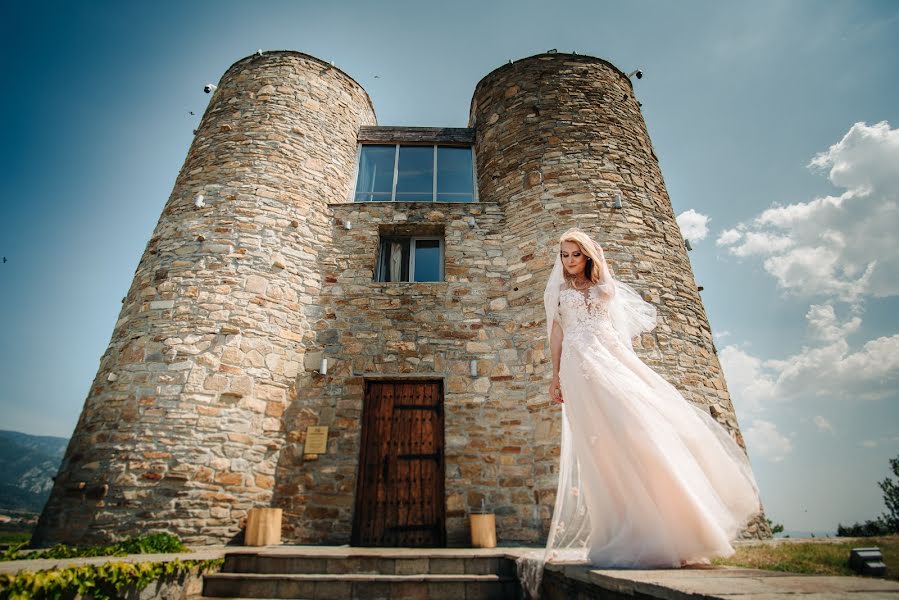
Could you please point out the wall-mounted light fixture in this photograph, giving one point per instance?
(199, 201)
(473, 368)
(618, 200)
(688, 245)
(315, 362)
(347, 225)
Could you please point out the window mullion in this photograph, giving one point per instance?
(396, 166)
(474, 178)
(412, 258)
(354, 189)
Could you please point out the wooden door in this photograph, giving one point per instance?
(400, 488)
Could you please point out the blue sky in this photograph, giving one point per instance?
(740, 99)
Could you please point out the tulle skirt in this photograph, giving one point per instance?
(647, 479)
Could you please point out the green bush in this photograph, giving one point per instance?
(890, 489)
(145, 544)
(103, 582)
(869, 528)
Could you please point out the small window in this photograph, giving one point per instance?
(407, 173)
(410, 259)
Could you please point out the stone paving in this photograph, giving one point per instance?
(668, 584)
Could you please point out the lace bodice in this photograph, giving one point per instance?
(584, 311)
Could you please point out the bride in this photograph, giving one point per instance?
(647, 479)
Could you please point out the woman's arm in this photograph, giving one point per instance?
(555, 349)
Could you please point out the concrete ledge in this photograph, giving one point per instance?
(714, 583)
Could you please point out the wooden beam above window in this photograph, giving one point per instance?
(416, 135)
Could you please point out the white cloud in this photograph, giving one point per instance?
(764, 439)
(822, 320)
(753, 242)
(838, 246)
(720, 335)
(750, 388)
(877, 360)
(823, 424)
(693, 225)
(868, 443)
(866, 155)
(829, 368)
(728, 237)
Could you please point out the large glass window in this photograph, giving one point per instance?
(415, 174)
(375, 180)
(455, 179)
(410, 259)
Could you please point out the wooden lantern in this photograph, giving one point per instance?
(263, 527)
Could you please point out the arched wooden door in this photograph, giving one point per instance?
(400, 483)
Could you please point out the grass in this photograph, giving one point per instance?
(15, 533)
(826, 557)
(13, 538)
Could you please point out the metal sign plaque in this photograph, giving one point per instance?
(316, 440)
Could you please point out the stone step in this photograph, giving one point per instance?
(347, 586)
(384, 564)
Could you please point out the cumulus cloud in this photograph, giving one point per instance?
(693, 225)
(823, 323)
(829, 368)
(822, 424)
(750, 385)
(764, 439)
(748, 243)
(728, 237)
(837, 246)
(835, 250)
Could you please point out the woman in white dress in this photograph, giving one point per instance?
(647, 479)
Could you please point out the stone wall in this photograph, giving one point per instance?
(428, 330)
(184, 422)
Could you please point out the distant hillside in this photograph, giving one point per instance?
(28, 464)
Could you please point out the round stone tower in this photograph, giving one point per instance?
(202, 403)
(182, 426)
(561, 142)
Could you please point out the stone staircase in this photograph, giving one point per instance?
(365, 573)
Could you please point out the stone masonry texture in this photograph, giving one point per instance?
(200, 406)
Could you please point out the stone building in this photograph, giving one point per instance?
(314, 270)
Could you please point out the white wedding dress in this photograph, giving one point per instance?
(647, 479)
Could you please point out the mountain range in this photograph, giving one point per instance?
(28, 464)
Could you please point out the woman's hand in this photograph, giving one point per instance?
(555, 390)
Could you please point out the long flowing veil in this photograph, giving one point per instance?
(569, 532)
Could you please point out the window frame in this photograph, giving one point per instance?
(396, 164)
(412, 239)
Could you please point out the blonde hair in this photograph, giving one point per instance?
(593, 267)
